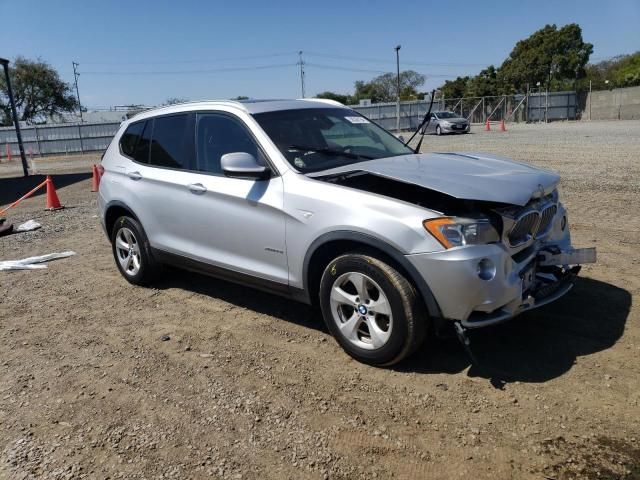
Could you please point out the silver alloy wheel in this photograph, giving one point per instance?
(128, 251)
(361, 310)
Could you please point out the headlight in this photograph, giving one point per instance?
(457, 232)
(446, 124)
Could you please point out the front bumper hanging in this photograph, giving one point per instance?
(543, 293)
(463, 295)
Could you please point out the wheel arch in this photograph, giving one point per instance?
(113, 211)
(333, 244)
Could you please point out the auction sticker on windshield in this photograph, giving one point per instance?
(357, 119)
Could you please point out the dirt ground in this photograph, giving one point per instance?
(251, 386)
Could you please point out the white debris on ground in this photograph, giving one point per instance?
(28, 226)
(32, 263)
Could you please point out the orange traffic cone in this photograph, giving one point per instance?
(95, 181)
(53, 202)
(503, 127)
(487, 126)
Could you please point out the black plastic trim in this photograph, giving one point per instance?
(265, 285)
(415, 277)
(109, 205)
(273, 171)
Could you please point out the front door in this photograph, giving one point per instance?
(234, 223)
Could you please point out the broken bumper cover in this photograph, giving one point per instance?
(483, 285)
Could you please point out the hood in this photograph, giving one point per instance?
(454, 120)
(467, 176)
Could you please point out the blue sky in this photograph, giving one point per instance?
(202, 37)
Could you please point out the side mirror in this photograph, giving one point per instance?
(243, 165)
(401, 138)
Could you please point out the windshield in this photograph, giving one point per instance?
(314, 139)
(447, 115)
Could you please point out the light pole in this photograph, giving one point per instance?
(75, 76)
(14, 114)
(398, 88)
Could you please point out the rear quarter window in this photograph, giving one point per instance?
(130, 138)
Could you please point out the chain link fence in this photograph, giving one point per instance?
(539, 106)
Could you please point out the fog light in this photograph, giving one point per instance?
(486, 269)
(563, 223)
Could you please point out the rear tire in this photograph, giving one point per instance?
(132, 252)
(372, 311)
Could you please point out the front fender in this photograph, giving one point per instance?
(378, 244)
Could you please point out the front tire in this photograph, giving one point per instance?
(132, 252)
(373, 312)
(438, 131)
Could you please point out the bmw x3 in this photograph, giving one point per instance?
(311, 200)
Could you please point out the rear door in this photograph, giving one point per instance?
(158, 175)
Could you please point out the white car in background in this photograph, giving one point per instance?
(447, 122)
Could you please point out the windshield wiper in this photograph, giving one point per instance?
(329, 151)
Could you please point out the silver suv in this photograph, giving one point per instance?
(313, 201)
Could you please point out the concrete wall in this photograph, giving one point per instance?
(617, 104)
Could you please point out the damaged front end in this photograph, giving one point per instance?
(515, 258)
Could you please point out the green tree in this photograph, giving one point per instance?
(621, 71)
(383, 88)
(484, 84)
(240, 97)
(345, 99)
(455, 88)
(555, 57)
(175, 100)
(38, 91)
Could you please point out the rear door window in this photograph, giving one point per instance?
(172, 142)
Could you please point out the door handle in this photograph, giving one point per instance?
(134, 175)
(196, 188)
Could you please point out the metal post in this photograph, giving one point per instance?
(80, 136)
(539, 103)
(526, 112)
(301, 63)
(398, 88)
(38, 141)
(589, 100)
(14, 113)
(546, 106)
(484, 112)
